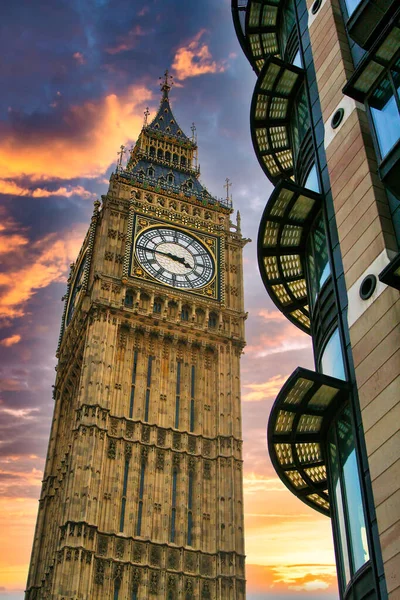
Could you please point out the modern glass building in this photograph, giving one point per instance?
(325, 125)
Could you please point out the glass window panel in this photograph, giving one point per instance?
(317, 258)
(385, 115)
(297, 60)
(357, 529)
(332, 357)
(312, 182)
(336, 487)
(351, 6)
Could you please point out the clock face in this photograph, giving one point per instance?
(76, 287)
(175, 258)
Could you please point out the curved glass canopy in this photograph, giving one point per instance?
(281, 248)
(256, 28)
(271, 116)
(297, 429)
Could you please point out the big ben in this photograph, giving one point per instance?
(142, 493)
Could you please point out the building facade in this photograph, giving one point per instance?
(325, 124)
(142, 493)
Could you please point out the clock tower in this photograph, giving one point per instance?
(142, 492)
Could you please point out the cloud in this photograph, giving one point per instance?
(264, 391)
(77, 141)
(129, 41)
(274, 334)
(10, 341)
(317, 579)
(11, 188)
(254, 483)
(195, 59)
(80, 59)
(30, 266)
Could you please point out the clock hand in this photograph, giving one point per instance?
(179, 259)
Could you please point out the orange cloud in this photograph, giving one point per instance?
(83, 142)
(30, 267)
(10, 341)
(264, 391)
(78, 56)
(11, 188)
(195, 59)
(313, 578)
(129, 41)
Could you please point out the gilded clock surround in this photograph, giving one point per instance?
(147, 397)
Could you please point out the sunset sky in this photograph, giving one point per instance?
(76, 78)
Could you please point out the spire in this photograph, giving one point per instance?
(166, 83)
(164, 122)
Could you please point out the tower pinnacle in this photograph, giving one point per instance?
(166, 82)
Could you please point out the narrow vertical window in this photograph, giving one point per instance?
(192, 392)
(123, 502)
(117, 586)
(190, 506)
(147, 402)
(178, 394)
(140, 506)
(173, 505)
(133, 384)
(135, 594)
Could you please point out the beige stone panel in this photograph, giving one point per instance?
(378, 357)
(381, 326)
(390, 542)
(355, 269)
(392, 574)
(343, 191)
(376, 311)
(388, 512)
(386, 484)
(348, 133)
(385, 428)
(381, 405)
(386, 455)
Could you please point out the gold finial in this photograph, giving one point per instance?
(146, 114)
(227, 186)
(166, 82)
(120, 154)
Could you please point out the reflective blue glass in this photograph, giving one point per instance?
(357, 529)
(317, 258)
(385, 115)
(332, 357)
(297, 60)
(351, 6)
(312, 182)
(340, 519)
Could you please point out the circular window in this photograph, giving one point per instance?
(367, 287)
(316, 6)
(337, 118)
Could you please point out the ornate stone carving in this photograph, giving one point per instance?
(190, 562)
(155, 556)
(113, 426)
(207, 448)
(145, 433)
(161, 434)
(118, 571)
(102, 545)
(137, 553)
(153, 584)
(192, 444)
(176, 441)
(173, 559)
(176, 461)
(112, 449)
(160, 460)
(99, 571)
(128, 451)
(205, 590)
(207, 470)
(130, 428)
(206, 565)
(119, 549)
